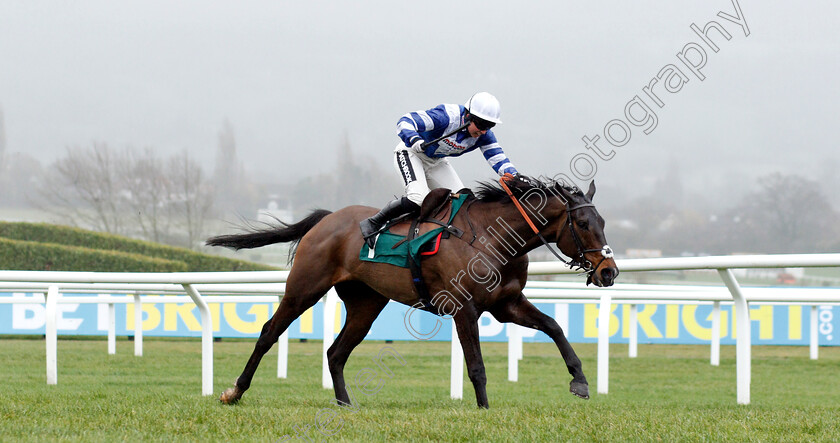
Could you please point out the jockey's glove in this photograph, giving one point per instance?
(418, 146)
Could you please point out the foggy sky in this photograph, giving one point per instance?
(293, 78)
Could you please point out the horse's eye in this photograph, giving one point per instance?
(583, 224)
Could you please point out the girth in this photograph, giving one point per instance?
(415, 266)
(433, 206)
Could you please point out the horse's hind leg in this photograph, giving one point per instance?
(363, 305)
(520, 311)
(300, 296)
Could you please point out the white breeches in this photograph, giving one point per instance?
(420, 173)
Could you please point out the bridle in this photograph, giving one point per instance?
(579, 261)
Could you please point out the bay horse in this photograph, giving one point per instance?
(474, 277)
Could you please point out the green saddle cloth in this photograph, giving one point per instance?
(385, 252)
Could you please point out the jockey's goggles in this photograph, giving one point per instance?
(482, 125)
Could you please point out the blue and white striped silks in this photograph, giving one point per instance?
(433, 123)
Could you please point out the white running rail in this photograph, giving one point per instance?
(195, 284)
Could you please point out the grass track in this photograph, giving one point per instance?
(668, 393)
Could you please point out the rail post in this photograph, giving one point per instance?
(456, 371)
(815, 336)
(604, 344)
(138, 325)
(633, 347)
(715, 351)
(51, 333)
(112, 329)
(514, 351)
(744, 340)
(282, 351)
(206, 340)
(283, 355)
(330, 306)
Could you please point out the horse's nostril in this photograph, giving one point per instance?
(608, 275)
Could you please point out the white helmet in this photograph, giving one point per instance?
(484, 106)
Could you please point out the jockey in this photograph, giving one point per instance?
(455, 130)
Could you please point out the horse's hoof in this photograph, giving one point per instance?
(229, 397)
(579, 389)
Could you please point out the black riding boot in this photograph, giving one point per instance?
(392, 210)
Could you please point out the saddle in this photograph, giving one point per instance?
(434, 212)
(405, 240)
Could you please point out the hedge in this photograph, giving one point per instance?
(34, 256)
(89, 240)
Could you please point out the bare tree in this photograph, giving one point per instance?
(148, 190)
(787, 214)
(129, 192)
(192, 196)
(84, 188)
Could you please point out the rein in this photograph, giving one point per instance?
(580, 262)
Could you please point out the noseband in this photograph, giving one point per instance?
(579, 261)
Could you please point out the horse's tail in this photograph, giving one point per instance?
(267, 236)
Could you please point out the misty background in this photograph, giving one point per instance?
(181, 117)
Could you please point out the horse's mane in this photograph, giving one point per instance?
(491, 191)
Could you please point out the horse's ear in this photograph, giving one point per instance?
(591, 191)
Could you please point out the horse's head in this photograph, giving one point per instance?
(560, 214)
(580, 235)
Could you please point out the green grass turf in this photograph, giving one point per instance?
(668, 393)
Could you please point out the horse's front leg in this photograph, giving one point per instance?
(466, 323)
(520, 311)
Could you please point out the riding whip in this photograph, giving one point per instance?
(459, 128)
